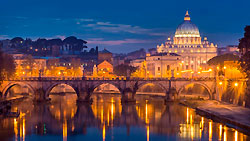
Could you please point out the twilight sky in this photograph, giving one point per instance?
(123, 25)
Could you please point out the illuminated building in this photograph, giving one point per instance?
(230, 49)
(161, 65)
(188, 44)
(105, 68)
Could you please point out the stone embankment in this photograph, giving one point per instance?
(234, 116)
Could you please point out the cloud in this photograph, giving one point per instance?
(3, 37)
(118, 28)
(52, 37)
(101, 41)
(86, 20)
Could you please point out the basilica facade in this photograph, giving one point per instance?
(187, 42)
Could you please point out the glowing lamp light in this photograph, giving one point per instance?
(236, 84)
(59, 72)
(210, 70)
(225, 67)
(199, 72)
(220, 83)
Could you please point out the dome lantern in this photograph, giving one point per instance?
(187, 17)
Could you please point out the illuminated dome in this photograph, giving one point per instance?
(187, 28)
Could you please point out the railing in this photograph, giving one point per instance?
(109, 78)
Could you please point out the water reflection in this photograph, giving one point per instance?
(107, 119)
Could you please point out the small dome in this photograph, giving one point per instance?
(187, 28)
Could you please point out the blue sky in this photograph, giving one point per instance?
(122, 26)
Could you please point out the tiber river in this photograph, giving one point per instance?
(107, 119)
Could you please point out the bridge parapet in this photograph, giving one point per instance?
(84, 86)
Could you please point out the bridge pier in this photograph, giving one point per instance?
(84, 95)
(171, 95)
(40, 96)
(128, 96)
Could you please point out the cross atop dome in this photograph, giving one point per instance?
(187, 17)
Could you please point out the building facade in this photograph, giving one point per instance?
(163, 65)
(188, 43)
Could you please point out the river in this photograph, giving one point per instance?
(107, 119)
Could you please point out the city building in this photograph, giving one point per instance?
(163, 65)
(188, 44)
(105, 55)
(230, 49)
(105, 68)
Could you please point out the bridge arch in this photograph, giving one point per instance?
(164, 88)
(116, 85)
(12, 84)
(47, 92)
(197, 83)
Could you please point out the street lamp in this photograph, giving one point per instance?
(236, 84)
(161, 62)
(220, 83)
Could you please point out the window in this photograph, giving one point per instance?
(168, 67)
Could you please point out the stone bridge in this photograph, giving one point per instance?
(84, 87)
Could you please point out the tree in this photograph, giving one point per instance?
(124, 70)
(7, 66)
(219, 60)
(74, 43)
(244, 47)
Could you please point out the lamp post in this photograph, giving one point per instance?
(161, 62)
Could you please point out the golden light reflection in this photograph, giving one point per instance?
(201, 126)
(146, 113)
(112, 110)
(23, 129)
(103, 132)
(210, 130)
(65, 130)
(225, 134)
(192, 131)
(147, 132)
(191, 119)
(187, 115)
(236, 135)
(15, 128)
(102, 114)
(220, 134)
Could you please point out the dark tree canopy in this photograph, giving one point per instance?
(221, 58)
(17, 40)
(244, 47)
(7, 66)
(51, 42)
(76, 44)
(124, 70)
